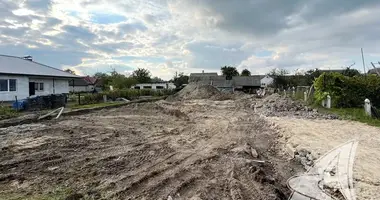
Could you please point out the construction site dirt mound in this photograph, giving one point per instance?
(199, 91)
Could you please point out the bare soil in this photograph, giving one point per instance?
(193, 149)
(320, 136)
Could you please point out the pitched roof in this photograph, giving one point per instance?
(374, 71)
(19, 65)
(204, 74)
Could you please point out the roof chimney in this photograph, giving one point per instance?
(30, 58)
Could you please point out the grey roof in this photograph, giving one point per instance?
(204, 74)
(374, 71)
(247, 80)
(18, 65)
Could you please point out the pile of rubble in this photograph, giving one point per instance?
(277, 106)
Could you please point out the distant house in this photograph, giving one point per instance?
(202, 77)
(154, 86)
(266, 81)
(22, 77)
(84, 84)
(236, 83)
(374, 71)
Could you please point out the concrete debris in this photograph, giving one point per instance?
(254, 153)
(305, 158)
(277, 106)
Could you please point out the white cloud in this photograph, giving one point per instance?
(166, 36)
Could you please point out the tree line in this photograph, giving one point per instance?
(140, 75)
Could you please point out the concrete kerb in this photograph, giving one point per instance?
(15, 121)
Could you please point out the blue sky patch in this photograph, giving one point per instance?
(264, 53)
(107, 18)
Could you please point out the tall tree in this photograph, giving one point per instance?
(245, 72)
(157, 80)
(279, 78)
(351, 72)
(229, 72)
(141, 75)
(180, 79)
(120, 81)
(69, 71)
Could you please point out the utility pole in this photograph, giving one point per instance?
(363, 61)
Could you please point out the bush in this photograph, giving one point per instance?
(126, 93)
(347, 91)
(7, 112)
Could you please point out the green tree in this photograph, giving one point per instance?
(141, 75)
(69, 71)
(229, 72)
(280, 80)
(157, 80)
(119, 81)
(245, 72)
(180, 79)
(351, 72)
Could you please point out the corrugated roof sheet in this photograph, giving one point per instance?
(18, 65)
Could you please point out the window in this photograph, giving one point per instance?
(137, 87)
(12, 84)
(159, 87)
(8, 85)
(3, 84)
(39, 86)
(147, 87)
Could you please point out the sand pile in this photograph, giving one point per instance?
(198, 91)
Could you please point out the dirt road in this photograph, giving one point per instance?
(195, 149)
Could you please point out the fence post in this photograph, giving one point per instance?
(78, 98)
(367, 107)
(305, 96)
(328, 103)
(16, 103)
(284, 93)
(105, 98)
(294, 91)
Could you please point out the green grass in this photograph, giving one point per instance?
(7, 112)
(96, 105)
(354, 114)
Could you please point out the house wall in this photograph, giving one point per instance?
(58, 86)
(22, 88)
(154, 85)
(266, 81)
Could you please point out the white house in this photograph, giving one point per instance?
(154, 86)
(267, 80)
(22, 77)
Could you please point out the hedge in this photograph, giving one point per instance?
(126, 93)
(348, 92)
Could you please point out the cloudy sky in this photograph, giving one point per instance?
(168, 36)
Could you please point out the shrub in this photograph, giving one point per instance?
(347, 91)
(126, 93)
(7, 112)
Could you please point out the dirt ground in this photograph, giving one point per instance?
(320, 136)
(194, 149)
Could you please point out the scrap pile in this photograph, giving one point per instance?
(276, 106)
